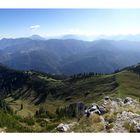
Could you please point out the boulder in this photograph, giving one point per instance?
(87, 113)
(106, 98)
(75, 109)
(93, 112)
(63, 127)
(102, 110)
(127, 100)
(138, 127)
(94, 108)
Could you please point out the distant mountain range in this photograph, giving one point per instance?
(129, 37)
(37, 37)
(69, 56)
(106, 37)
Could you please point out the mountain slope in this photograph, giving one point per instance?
(41, 88)
(68, 56)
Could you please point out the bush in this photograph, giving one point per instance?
(42, 122)
(28, 120)
(110, 118)
(95, 118)
(109, 126)
(50, 127)
(92, 123)
(130, 127)
(99, 127)
(11, 122)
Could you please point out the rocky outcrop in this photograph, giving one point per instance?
(129, 101)
(75, 109)
(115, 115)
(94, 108)
(132, 120)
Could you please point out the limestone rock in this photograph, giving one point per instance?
(75, 109)
(63, 127)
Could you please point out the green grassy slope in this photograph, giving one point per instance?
(42, 90)
(129, 84)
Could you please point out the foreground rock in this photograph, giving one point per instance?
(129, 101)
(63, 127)
(75, 109)
(132, 120)
(113, 115)
(94, 108)
(3, 130)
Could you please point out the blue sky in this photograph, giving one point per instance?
(53, 22)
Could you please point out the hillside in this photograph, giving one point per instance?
(47, 99)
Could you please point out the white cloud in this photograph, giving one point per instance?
(34, 27)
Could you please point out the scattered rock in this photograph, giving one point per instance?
(128, 100)
(138, 127)
(94, 108)
(132, 119)
(117, 108)
(106, 98)
(127, 116)
(63, 127)
(102, 110)
(114, 106)
(119, 102)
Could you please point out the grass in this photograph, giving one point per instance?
(91, 124)
(54, 93)
(95, 118)
(29, 109)
(90, 120)
(110, 117)
(11, 123)
(130, 127)
(97, 86)
(128, 84)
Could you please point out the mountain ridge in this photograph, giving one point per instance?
(58, 56)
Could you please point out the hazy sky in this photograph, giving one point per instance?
(25, 22)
